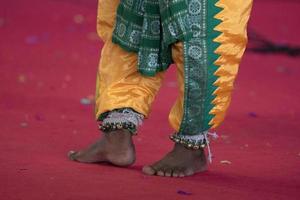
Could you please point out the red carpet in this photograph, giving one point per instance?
(49, 53)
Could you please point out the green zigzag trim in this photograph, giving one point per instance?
(212, 22)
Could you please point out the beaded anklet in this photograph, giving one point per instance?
(195, 142)
(108, 127)
(119, 119)
(190, 142)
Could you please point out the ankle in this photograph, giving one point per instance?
(182, 149)
(118, 137)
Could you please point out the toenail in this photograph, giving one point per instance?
(71, 154)
(188, 172)
(160, 173)
(175, 174)
(148, 170)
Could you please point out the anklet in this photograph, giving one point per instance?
(191, 142)
(108, 127)
(119, 119)
(195, 141)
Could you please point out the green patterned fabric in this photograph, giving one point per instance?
(149, 27)
(199, 67)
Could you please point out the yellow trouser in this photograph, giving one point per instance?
(120, 85)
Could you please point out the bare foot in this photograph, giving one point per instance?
(179, 162)
(115, 147)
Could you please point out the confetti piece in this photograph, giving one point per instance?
(32, 40)
(93, 36)
(23, 124)
(22, 78)
(252, 114)
(227, 162)
(78, 19)
(181, 192)
(85, 101)
(68, 77)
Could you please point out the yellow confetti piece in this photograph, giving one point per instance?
(226, 162)
(78, 19)
(22, 78)
(93, 36)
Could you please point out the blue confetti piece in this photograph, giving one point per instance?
(181, 192)
(85, 101)
(32, 40)
(252, 114)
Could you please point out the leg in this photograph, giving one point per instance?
(182, 161)
(119, 85)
